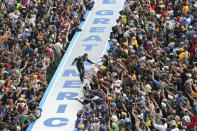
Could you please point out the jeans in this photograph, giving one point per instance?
(81, 70)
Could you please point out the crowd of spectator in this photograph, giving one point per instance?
(148, 79)
(34, 35)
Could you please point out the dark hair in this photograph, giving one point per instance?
(78, 115)
(85, 54)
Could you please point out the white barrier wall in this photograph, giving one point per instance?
(58, 103)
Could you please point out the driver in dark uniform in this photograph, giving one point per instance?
(80, 64)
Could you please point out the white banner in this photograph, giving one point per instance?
(59, 108)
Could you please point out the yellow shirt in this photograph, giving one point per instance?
(183, 56)
(68, 9)
(126, 43)
(178, 124)
(135, 43)
(18, 5)
(124, 17)
(38, 1)
(194, 94)
(185, 9)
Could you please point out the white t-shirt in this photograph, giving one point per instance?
(143, 58)
(126, 34)
(118, 82)
(32, 20)
(13, 16)
(36, 51)
(19, 36)
(58, 47)
(161, 127)
(176, 129)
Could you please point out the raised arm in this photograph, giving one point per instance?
(155, 103)
(88, 60)
(75, 60)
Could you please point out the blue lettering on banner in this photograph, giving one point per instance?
(70, 71)
(61, 108)
(50, 122)
(105, 12)
(101, 21)
(109, 2)
(97, 29)
(92, 38)
(89, 47)
(72, 84)
(67, 95)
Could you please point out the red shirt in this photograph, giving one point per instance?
(194, 122)
(192, 50)
(64, 26)
(154, 7)
(48, 51)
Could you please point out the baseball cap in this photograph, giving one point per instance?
(20, 105)
(124, 113)
(20, 99)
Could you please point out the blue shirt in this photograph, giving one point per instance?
(26, 35)
(77, 122)
(191, 18)
(130, 101)
(179, 101)
(116, 51)
(185, 23)
(8, 1)
(194, 111)
(157, 83)
(3, 112)
(102, 127)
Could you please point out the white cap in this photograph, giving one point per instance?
(148, 88)
(114, 118)
(166, 67)
(170, 97)
(189, 75)
(164, 100)
(117, 91)
(163, 105)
